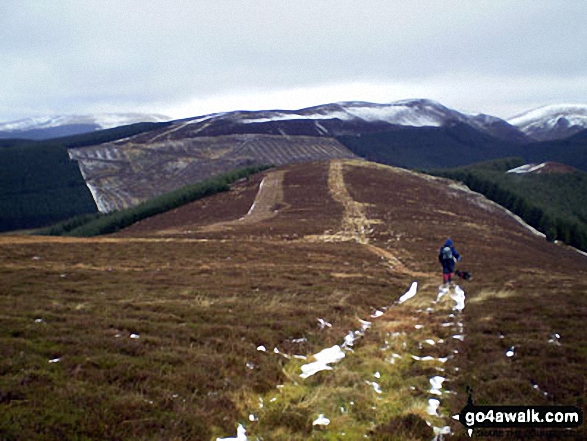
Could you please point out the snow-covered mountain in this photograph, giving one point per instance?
(346, 118)
(552, 122)
(44, 127)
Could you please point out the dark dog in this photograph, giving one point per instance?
(463, 275)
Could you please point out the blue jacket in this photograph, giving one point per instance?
(448, 266)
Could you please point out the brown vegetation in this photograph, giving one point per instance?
(201, 300)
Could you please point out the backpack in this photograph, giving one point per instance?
(446, 253)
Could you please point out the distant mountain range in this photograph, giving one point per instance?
(47, 127)
(338, 119)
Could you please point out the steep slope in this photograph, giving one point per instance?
(217, 316)
(552, 122)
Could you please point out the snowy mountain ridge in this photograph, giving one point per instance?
(353, 117)
(101, 120)
(414, 113)
(552, 122)
(47, 127)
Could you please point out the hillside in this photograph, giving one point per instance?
(430, 147)
(453, 146)
(41, 185)
(551, 197)
(194, 321)
(571, 151)
(124, 173)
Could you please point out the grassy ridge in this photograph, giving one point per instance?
(40, 185)
(87, 226)
(554, 203)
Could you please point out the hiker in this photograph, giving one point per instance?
(447, 256)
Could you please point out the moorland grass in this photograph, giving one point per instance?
(78, 301)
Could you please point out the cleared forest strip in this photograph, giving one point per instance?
(355, 224)
(269, 196)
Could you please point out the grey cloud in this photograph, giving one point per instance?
(68, 55)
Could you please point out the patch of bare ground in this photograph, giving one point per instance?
(153, 333)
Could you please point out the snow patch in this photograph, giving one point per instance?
(410, 293)
(321, 421)
(527, 168)
(414, 113)
(440, 431)
(547, 117)
(241, 435)
(459, 298)
(102, 120)
(436, 383)
(349, 340)
(433, 405)
(375, 386)
(323, 358)
(364, 324)
(554, 339)
(324, 324)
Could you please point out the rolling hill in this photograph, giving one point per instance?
(194, 321)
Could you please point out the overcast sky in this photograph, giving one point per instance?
(190, 57)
